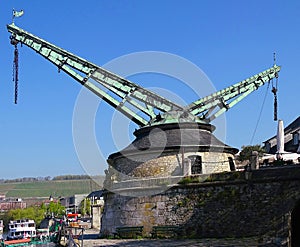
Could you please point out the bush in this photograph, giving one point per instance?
(246, 152)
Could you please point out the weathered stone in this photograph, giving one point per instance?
(220, 208)
(150, 156)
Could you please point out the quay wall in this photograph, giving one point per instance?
(259, 203)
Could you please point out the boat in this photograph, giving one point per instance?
(43, 232)
(16, 242)
(21, 229)
(1, 229)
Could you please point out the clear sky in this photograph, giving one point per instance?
(228, 40)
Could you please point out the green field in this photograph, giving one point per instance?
(56, 188)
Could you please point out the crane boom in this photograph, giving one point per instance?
(228, 97)
(82, 71)
(132, 100)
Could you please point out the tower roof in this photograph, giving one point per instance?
(197, 137)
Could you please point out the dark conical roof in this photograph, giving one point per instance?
(175, 136)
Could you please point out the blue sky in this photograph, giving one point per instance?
(228, 40)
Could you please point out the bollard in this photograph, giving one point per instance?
(254, 161)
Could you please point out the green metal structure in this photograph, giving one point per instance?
(142, 106)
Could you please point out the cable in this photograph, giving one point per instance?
(260, 113)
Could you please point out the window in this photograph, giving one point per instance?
(268, 147)
(196, 163)
(296, 138)
(231, 164)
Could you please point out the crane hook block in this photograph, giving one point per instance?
(275, 108)
(13, 41)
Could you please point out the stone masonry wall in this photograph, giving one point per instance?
(233, 204)
(166, 164)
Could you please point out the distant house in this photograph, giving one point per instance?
(96, 197)
(72, 203)
(97, 203)
(291, 139)
(8, 204)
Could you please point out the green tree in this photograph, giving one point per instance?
(35, 213)
(56, 209)
(85, 207)
(246, 151)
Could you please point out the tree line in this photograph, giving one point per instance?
(47, 178)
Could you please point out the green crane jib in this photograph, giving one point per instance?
(140, 105)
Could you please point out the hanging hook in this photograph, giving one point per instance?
(275, 89)
(16, 71)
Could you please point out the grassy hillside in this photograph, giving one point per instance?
(55, 188)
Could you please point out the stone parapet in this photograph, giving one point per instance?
(224, 205)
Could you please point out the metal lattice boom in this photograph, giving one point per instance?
(140, 105)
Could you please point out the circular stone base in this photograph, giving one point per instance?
(171, 150)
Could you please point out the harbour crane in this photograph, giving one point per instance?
(154, 161)
(142, 106)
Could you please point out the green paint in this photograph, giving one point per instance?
(135, 102)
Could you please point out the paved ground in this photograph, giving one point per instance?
(140, 243)
(91, 240)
